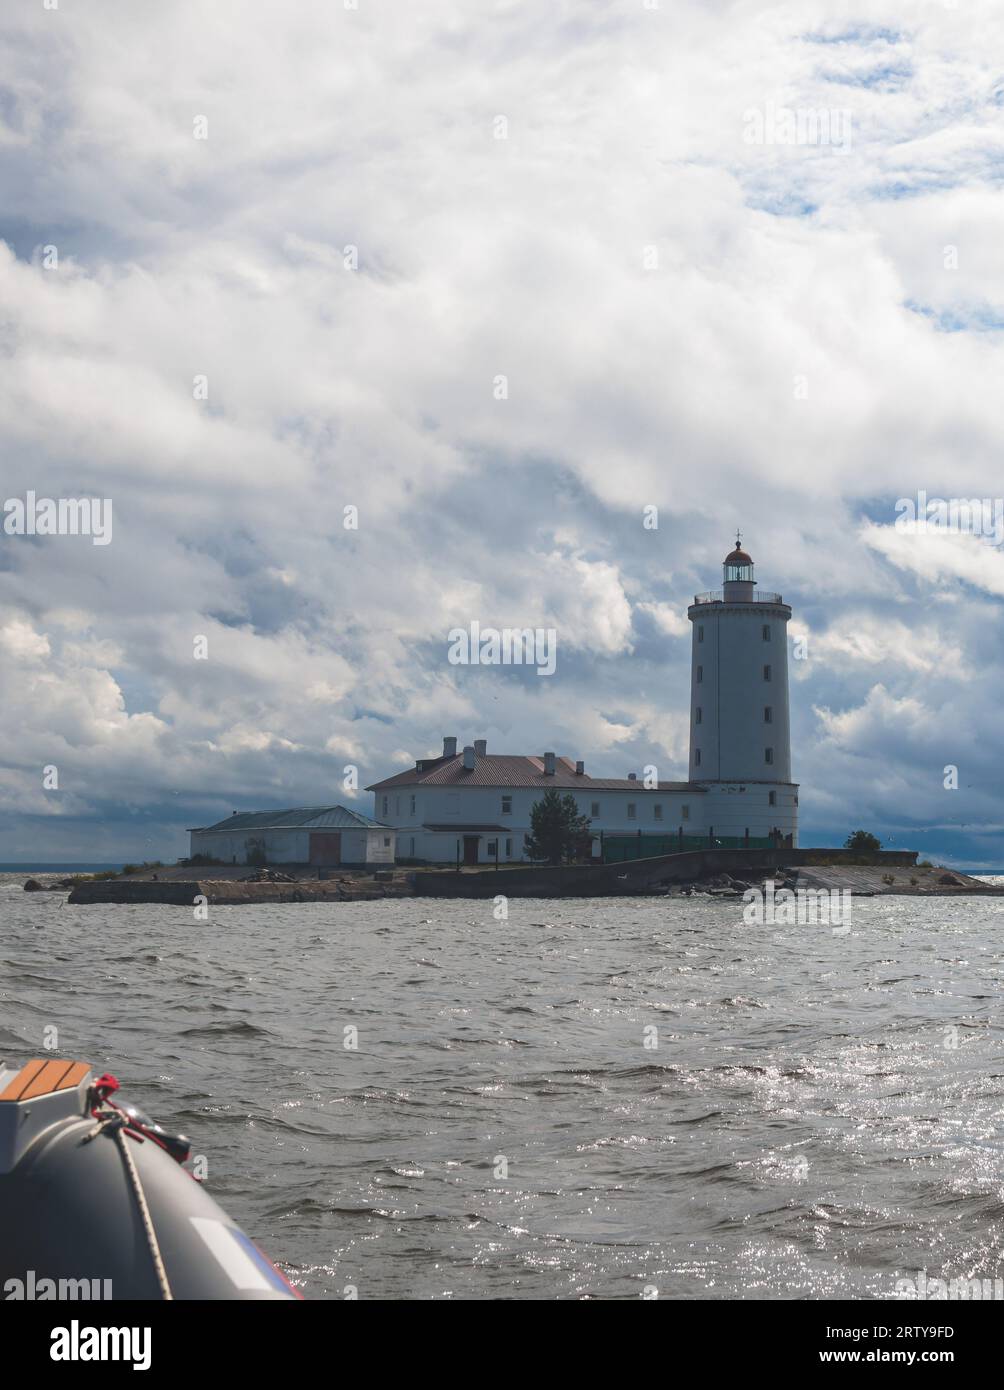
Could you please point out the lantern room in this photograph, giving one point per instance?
(738, 575)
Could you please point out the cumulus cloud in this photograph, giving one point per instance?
(869, 728)
(938, 556)
(498, 280)
(671, 622)
(865, 639)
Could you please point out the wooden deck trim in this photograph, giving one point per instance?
(40, 1077)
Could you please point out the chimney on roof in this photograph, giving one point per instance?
(549, 764)
(481, 748)
(580, 769)
(632, 776)
(469, 758)
(449, 747)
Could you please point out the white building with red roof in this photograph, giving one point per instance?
(477, 804)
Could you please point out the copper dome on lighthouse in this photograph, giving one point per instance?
(738, 557)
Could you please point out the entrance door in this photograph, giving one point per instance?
(471, 849)
(326, 849)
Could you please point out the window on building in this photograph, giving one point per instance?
(772, 798)
(697, 715)
(796, 798)
(685, 813)
(700, 632)
(386, 842)
(412, 852)
(657, 810)
(386, 803)
(768, 755)
(697, 757)
(412, 805)
(594, 809)
(700, 674)
(766, 673)
(766, 632)
(507, 805)
(508, 849)
(632, 810)
(768, 714)
(493, 847)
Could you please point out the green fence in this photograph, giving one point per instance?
(618, 848)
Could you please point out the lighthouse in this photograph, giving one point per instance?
(740, 740)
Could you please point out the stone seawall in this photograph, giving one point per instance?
(183, 892)
(635, 876)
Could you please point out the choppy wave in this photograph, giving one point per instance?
(580, 1102)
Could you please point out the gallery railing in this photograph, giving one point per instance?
(717, 596)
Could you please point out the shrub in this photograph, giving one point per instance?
(863, 840)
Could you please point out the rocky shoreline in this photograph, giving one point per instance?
(179, 886)
(860, 881)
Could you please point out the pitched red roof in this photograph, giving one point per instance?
(508, 770)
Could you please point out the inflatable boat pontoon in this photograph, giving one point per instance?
(93, 1190)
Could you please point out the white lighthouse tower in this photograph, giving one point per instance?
(740, 740)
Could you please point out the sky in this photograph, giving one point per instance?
(502, 278)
